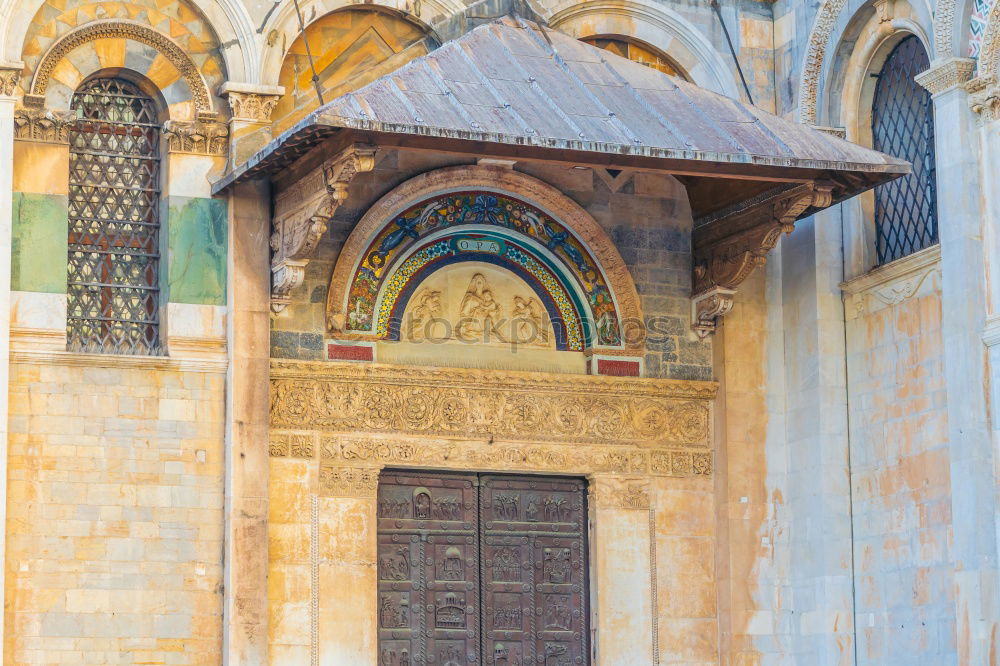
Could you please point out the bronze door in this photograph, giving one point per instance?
(523, 601)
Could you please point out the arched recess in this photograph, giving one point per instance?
(282, 30)
(821, 74)
(862, 43)
(548, 234)
(656, 25)
(233, 34)
(350, 48)
(121, 30)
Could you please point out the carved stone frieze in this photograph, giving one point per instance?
(295, 445)
(252, 106)
(348, 481)
(42, 125)
(730, 244)
(8, 81)
(301, 215)
(198, 137)
(123, 29)
(508, 406)
(616, 493)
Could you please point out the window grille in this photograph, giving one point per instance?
(114, 196)
(903, 126)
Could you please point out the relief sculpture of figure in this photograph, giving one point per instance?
(480, 313)
(426, 308)
(528, 323)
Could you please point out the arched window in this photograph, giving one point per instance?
(903, 126)
(114, 199)
(638, 52)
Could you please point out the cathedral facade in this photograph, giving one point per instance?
(440, 332)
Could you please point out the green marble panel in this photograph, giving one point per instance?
(196, 250)
(39, 230)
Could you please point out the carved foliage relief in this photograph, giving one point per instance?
(377, 415)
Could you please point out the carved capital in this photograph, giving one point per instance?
(730, 244)
(348, 481)
(252, 106)
(301, 216)
(946, 74)
(615, 493)
(41, 125)
(200, 138)
(984, 97)
(8, 81)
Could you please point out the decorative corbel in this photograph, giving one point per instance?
(299, 228)
(730, 244)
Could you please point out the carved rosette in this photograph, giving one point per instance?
(42, 125)
(301, 216)
(359, 482)
(8, 81)
(731, 244)
(251, 106)
(198, 137)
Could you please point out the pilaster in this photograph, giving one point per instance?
(622, 602)
(964, 309)
(250, 126)
(8, 84)
(247, 407)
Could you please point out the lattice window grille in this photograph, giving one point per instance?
(114, 198)
(903, 126)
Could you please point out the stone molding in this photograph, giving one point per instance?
(301, 215)
(731, 244)
(616, 493)
(373, 415)
(8, 81)
(522, 186)
(946, 74)
(197, 137)
(890, 284)
(989, 54)
(122, 29)
(36, 356)
(42, 125)
(944, 27)
(812, 68)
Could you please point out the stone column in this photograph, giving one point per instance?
(247, 406)
(345, 574)
(8, 82)
(250, 126)
(963, 312)
(621, 569)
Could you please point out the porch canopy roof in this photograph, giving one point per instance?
(511, 89)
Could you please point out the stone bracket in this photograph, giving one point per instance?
(301, 219)
(730, 244)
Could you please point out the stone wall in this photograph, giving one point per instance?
(114, 522)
